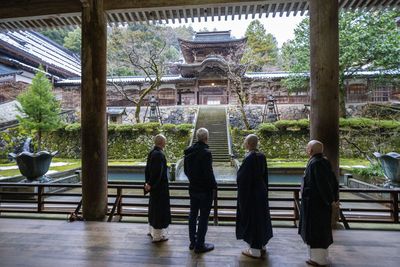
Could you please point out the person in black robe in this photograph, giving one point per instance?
(253, 219)
(156, 182)
(319, 194)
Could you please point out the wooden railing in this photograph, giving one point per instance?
(127, 200)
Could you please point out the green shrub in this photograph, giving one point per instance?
(124, 128)
(265, 128)
(147, 127)
(294, 125)
(370, 171)
(388, 124)
(356, 123)
(292, 136)
(112, 127)
(368, 124)
(184, 129)
(303, 124)
(169, 127)
(73, 127)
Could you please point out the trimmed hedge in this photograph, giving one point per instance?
(344, 124)
(287, 139)
(125, 141)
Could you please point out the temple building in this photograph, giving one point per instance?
(204, 76)
(201, 79)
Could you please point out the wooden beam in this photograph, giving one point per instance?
(240, 12)
(304, 8)
(186, 15)
(296, 8)
(275, 9)
(246, 16)
(93, 111)
(288, 9)
(283, 7)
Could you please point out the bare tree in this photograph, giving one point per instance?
(235, 75)
(144, 57)
(235, 72)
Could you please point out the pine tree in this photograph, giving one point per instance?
(39, 107)
(262, 47)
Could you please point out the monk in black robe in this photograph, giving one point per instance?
(157, 185)
(253, 220)
(319, 194)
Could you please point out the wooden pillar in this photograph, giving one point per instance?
(324, 76)
(228, 91)
(196, 93)
(93, 109)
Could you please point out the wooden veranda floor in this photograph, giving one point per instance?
(56, 243)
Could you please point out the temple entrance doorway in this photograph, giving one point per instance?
(213, 93)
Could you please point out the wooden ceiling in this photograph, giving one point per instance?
(36, 14)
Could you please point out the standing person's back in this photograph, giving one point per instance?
(198, 169)
(319, 193)
(156, 179)
(253, 219)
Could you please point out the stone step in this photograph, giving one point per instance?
(214, 120)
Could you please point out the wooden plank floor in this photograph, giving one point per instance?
(56, 243)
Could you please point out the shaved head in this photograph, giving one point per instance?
(160, 140)
(314, 147)
(251, 142)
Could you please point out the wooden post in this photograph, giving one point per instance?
(93, 111)
(40, 198)
(196, 93)
(324, 77)
(215, 196)
(228, 91)
(394, 197)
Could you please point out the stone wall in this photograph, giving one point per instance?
(70, 98)
(10, 90)
(300, 111)
(174, 114)
(254, 114)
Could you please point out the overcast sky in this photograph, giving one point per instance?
(281, 27)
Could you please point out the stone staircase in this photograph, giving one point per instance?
(213, 118)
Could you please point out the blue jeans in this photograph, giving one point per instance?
(199, 201)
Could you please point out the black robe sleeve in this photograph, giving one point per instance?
(322, 178)
(155, 170)
(244, 186)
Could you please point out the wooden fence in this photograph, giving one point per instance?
(127, 200)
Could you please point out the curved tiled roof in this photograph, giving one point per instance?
(29, 48)
(256, 76)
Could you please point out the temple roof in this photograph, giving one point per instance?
(27, 50)
(212, 37)
(254, 76)
(211, 66)
(7, 71)
(205, 44)
(137, 80)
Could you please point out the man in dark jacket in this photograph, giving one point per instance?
(253, 219)
(319, 194)
(198, 169)
(157, 185)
